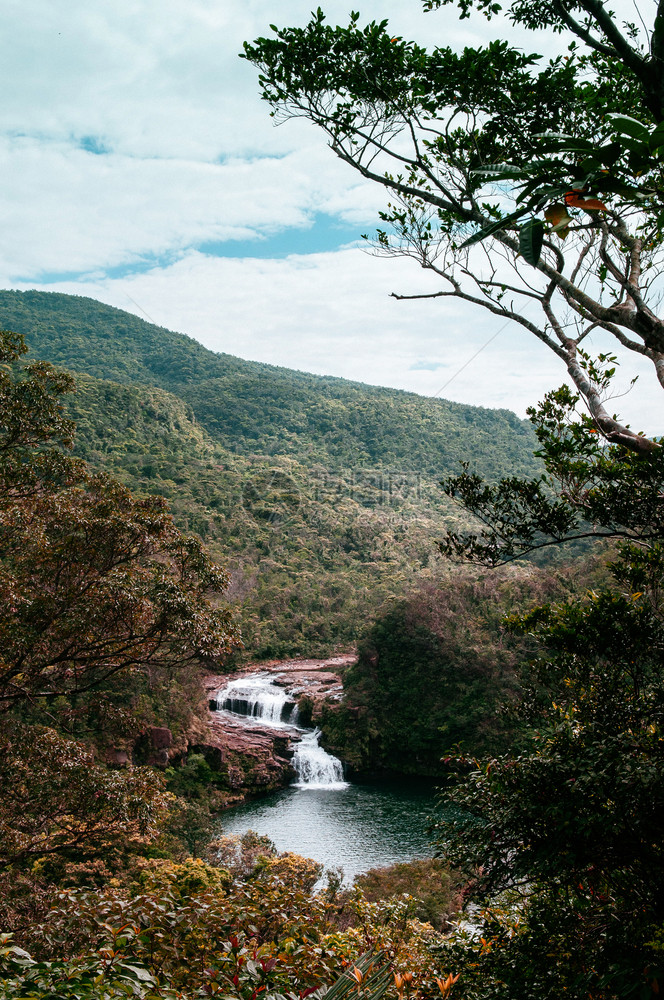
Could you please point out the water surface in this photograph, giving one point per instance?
(356, 827)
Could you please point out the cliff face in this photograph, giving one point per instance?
(255, 759)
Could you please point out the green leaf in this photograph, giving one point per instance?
(657, 138)
(493, 227)
(630, 126)
(531, 237)
(140, 973)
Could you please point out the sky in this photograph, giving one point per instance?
(141, 168)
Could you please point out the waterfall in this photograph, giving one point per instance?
(259, 698)
(315, 768)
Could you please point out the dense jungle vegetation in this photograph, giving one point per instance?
(437, 668)
(110, 611)
(320, 496)
(256, 409)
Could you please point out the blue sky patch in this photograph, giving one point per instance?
(325, 234)
(427, 366)
(93, 144)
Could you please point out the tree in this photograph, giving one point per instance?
(437, 129)
(433, 670)
(562, 839)
(589, 491)
(59, 802)
(596, 26)
(520, 186)
(94, 583)
(93, 580)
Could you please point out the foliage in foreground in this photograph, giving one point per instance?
(196, 930)
(434, 888)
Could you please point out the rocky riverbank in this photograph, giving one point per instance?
(257, 759)
(248, 758)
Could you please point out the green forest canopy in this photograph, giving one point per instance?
(321, 495)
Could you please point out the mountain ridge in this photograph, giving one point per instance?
(285, 410)
(6, 296)
(323, 504)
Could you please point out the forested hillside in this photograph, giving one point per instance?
(321, 495)
(256, 409)
(534, 190)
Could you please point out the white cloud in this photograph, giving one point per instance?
(158, 84)
(193, 159)
(68, 210)
(160, 77)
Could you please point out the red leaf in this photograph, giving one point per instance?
(577, 199)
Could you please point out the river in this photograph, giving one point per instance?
(354, 828)
(342, 824)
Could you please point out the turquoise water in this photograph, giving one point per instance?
(355, 828)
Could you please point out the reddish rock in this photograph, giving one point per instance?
(161, 738)
(235, 777)
(255, 758)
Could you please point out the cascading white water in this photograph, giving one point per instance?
(315, 768)
(258, 698)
